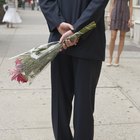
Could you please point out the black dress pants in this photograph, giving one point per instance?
(73, 78)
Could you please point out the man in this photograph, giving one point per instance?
(76, 69)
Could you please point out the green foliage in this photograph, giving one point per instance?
(2, 2)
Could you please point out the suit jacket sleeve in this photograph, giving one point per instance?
(93, 12)
(52, 13)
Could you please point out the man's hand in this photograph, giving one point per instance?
(64, 27)
(65, 41)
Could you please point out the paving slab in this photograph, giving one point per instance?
(105, 82)
(27, 134)
(117, 132)
(127, 77)
(112, 107)
(10, 135)
(32, 30)
(4, 45)
(6, 31)
(23, 43)
(37, 134)
(1, 59)
(25, 109)
(29, 114)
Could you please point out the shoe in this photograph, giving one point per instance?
(116, 64)
(108, 64)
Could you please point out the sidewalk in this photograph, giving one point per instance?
(25, 111)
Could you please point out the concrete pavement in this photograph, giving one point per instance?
(25, 110)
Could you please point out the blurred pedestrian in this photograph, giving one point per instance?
(32, 4)
(37, 5)
(23, 4)
(5, 7)
(11, 16)
(120, 20)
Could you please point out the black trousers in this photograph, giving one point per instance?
(73, 78)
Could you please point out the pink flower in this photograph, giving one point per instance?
(18, 61)
(17, 72)
(19, 77)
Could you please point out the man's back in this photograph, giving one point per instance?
(79, 13)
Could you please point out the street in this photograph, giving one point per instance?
(25, 110)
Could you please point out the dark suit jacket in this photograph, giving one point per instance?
(79, 13)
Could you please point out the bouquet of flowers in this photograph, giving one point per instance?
(29, 64)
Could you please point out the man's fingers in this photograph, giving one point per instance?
(70, 26)
(61, 39)
(64, 36)
(67, 43)
(64, 27)
(64, 45)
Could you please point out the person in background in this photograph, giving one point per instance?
(120, 20)
(37, 5)
(5, 7)
(11, 16)
(23, 4)
(76, 69)
(33, 4)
